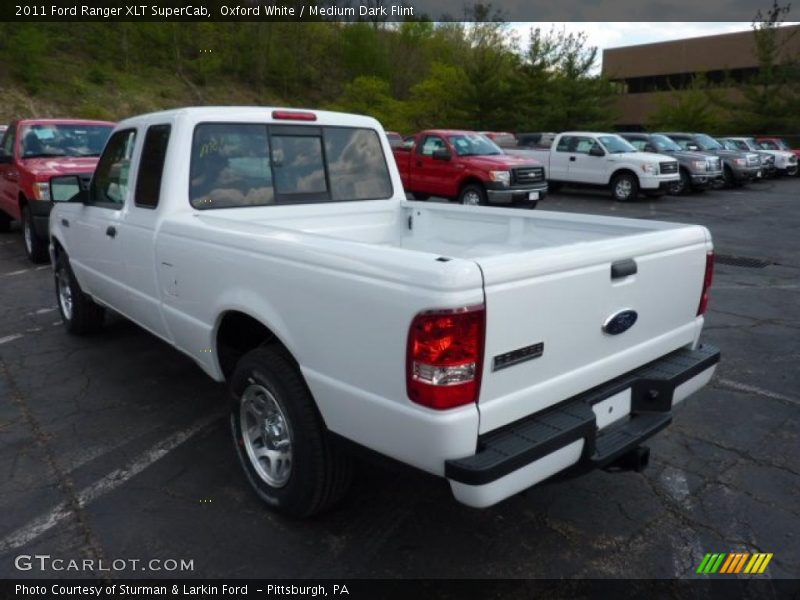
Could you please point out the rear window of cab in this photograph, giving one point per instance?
(251, 164)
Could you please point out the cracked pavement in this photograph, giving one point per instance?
(77, 416)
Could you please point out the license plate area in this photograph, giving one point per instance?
(533, 195)
(613, 409)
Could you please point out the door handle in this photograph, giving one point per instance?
(571, 159)
(65, 222)
(111, 231)
(623, 268)
(12, 176)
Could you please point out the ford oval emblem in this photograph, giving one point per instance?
(620, 322)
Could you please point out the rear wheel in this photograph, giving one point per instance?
(79, 312)
(35, 245)
(280, 438)
(624, 187)
(472, 195)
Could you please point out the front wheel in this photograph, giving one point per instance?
(280, 438)
(792, 171)
(35, 245)
(625, 187)
(472, 195)
(682, 186)
(79, 312)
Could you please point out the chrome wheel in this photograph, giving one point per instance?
(64, 292)
(471, 198)
(623, 189)
(792, 171)
(27, 234)
(266, 435)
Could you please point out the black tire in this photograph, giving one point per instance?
(5, 222)
(83, 315)
(792, 171)
(682, 187)
(730, 180)
(319, 472)
(472, 195)
(35, 245)
(618, 185)
(418, 196)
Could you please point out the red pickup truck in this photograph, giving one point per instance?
(31, 152)
(468, 167)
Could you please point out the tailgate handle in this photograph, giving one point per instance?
(623, 268)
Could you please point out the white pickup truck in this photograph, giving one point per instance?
(491, 347)
(606, 160)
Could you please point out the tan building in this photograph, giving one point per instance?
(648, 71)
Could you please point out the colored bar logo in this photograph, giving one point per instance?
(734, 563)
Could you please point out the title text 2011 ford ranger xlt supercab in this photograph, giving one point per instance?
(491, 347)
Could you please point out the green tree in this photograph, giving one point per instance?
(698, 107)
(441, 99)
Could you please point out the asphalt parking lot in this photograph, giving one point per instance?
(116, 447)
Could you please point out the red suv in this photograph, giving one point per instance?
(31, 152)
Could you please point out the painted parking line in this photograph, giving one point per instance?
(43, 523)
(744, 387)
(10, 338)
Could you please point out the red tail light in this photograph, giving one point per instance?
(445, 357)
(293, 115)
(709, 276)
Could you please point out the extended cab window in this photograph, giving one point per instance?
(111, 178)
(151, 166)
(566, 144)
(237, 165)
(431, 144)
(8, 140)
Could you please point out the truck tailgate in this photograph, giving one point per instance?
(546, 311)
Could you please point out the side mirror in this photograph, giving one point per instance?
(441, 154)
(596, 151)
(67, 188)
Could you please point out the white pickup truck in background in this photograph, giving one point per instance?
(605, 160)
(491, 347)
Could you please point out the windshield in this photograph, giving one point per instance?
(473, 144)
(615, 144)
(731, 145)
(706, 142)
(783, 145)
(663, 143)
(73, 139)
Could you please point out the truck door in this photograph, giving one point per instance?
(96, 241)
(431, 175)
(560, 157)
(9, 177)
(584, 167)
(138, 233)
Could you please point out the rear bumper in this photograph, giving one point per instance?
(519, 455)
(40, 211)
(497, 195)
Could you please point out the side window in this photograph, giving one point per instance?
(431, 144)
(356, 165)
(566, 144)
(298, 164)
(584, 145)
(8, 140)
(640, 145)
(111, 177)
(230, 166)
(151, 166)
